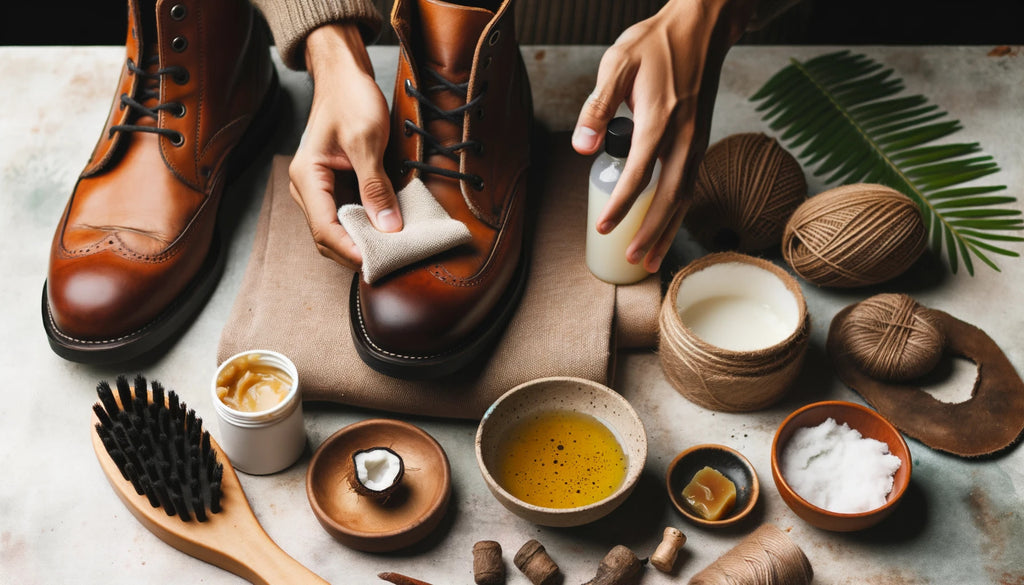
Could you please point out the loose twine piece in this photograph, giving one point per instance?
(892, 337)
(855, 235)
(766, 557)
(747, 185)
(721, 379)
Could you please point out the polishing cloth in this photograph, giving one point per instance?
(427, 230)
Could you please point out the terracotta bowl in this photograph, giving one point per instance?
(730, 463)
(871, 425)
(574, 394)
(359, 522)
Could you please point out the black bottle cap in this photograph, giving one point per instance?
(618, 137)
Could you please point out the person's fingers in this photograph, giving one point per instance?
(614, 77)
(654, 258)
(664, 203)
(312, 187)
(377, 195)
(636, 174)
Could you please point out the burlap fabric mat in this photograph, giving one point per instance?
(569, 323)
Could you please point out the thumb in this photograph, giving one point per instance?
(602, 104)
(378, 197)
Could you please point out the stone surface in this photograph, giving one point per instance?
(61, 523)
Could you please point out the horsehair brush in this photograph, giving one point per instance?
(165, 468)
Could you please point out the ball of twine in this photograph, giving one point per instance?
(892, 337)
(722, 379)
(855, 235)
(765, 557)
(747, 186)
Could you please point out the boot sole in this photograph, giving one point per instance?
(166, 327)
(451, 361)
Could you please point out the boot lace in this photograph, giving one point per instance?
(455, 116)
(151, 91)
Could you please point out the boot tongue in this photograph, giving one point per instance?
(449, 34)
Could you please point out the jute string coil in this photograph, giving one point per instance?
(765, 557)
(721, 379)
(892, 337)
(856, 235)
(747, 187)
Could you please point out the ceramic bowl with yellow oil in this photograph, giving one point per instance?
(561, 451)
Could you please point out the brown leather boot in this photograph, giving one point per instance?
(137, 251)
(461, 119)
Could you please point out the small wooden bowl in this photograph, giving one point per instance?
(871, 425)
(414, 510)
(730, 463)
(560, 393)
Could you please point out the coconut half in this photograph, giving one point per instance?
(377, 472)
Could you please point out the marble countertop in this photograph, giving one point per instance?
(60, 522)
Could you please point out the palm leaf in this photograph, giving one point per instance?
(843, 112)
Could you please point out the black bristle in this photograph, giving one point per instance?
(199, 509)
(107, 399)
(161, 449)
(179, 504)
(174, 407)
(124, 393)
(158, 393)
(133, 476)
(101, 415)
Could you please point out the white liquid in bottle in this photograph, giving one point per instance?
(606, 253)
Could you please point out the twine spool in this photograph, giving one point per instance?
(856, 235)
(723, 379)
(892, 337)
(765, 557)
(746, 189)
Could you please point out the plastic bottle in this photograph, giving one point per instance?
(606, 253)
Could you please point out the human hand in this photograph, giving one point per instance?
(666, 69)
(347, 130)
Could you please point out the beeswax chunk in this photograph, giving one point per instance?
(710, 494)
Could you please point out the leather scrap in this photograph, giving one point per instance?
(991, 420)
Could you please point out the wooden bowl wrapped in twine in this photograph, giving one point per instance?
(723, 379)
(747, 187)
(892, 337)
(856, 235)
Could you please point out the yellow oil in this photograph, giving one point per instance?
(560, 459)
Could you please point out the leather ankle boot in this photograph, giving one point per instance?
(137, 251)
(461, 118)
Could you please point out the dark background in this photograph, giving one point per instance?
(818, 22)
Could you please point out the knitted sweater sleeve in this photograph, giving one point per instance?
(292, 20)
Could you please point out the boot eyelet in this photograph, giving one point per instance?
(480, 149)
(407, 127)
(179, 44)
(178, 12)
(408, 87)
(181, 77)
(480, 114)
(179, 110)
(177, 139)
(493, 38)
(486, 63)
(478, 184)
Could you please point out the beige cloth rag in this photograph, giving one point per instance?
(568, 322)
(427, 229)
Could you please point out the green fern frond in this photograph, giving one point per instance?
(842, 113)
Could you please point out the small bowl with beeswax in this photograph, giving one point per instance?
(561, 451)
(840, 466)
(712, 485)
